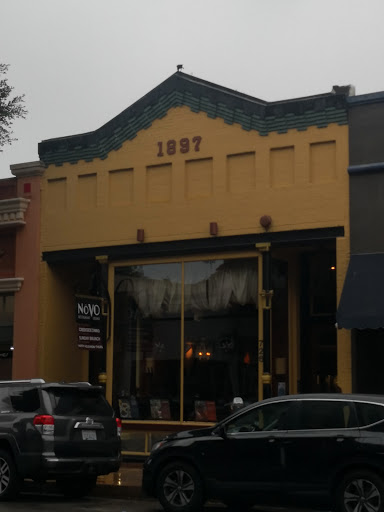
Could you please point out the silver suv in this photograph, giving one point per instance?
(56, 431)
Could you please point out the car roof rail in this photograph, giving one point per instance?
(81, 383)
(23, 381)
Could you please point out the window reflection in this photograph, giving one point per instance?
(261, 419)
(220, 334)
(220, 339)
(147, 341)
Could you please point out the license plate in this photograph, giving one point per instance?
(89, 435)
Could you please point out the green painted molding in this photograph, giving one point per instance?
(200, 96)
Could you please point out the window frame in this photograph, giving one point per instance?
(182, 259)
(330, 429)
(362, 425)
(289, 422)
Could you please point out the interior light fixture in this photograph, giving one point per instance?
(189, 353)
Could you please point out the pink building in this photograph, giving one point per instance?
(19, 271)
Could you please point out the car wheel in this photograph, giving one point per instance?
(9, 478)
(361, 491)
(180, 488)
(76, 488)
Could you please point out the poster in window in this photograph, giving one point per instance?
(205, 410)
(160, 409)
(128, 408)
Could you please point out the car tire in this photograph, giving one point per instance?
(180, 488)
(9, 477)
(76, 487)
(360, 490)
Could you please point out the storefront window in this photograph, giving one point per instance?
(6, 336)
(147, 341)
(220, 332)
(219, 319)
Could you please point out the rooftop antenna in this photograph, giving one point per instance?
(179, 67)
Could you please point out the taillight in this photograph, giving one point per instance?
(118, 425)
(44, 423)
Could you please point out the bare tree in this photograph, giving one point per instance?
(11, 108)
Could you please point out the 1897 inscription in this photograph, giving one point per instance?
(184, 145)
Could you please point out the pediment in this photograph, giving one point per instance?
(199, 96)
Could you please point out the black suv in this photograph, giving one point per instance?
(63, 432)
(320, 450)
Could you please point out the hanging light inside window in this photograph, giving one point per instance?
(203, 351)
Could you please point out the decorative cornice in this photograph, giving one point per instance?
(200, 96)
(12, 211)
(11, 284)
(28, 169)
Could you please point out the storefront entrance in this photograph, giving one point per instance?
(186, 338)
(368, 356)
(6, 336)
(186, 342)
(318, 330)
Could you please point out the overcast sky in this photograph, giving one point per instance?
(81, 62)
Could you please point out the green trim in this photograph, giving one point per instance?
(140, 116)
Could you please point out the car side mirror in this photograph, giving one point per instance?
(221, 431)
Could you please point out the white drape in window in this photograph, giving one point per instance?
(236, 284)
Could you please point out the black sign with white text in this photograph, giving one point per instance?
(90, 322)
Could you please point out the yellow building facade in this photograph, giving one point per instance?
(177, 213)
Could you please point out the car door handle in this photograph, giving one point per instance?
(340, 439)
(271, 439)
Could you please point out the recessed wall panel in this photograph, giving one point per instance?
(323, 162)
(282, 166)
(87, 191)
(57, 194)
(198, 178)
(121, 187)
(159, 183)
(240, 172)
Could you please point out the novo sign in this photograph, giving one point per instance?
(88, 311)
(90, 322)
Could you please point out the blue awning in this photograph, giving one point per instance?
(362, 300)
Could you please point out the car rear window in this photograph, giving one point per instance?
(327, 414)
(369, 413)
(79, 402)
(5, 403)
(24, 399)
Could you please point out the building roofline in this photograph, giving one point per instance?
(27, 169)
(364, 99)
(199, 95)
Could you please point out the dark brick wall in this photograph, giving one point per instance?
(8, 188)
(366, 133)
(366, 150)
(367, 212)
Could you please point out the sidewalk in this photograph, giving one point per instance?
(124, 483)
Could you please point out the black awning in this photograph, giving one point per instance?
(362, 300)
(194, 246)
